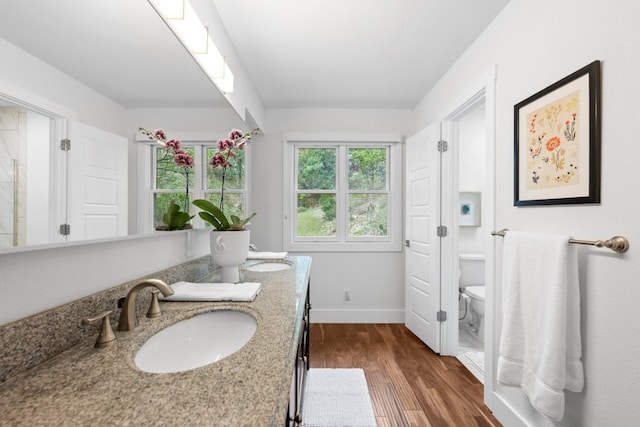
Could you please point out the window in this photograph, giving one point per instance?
(172, 183)
(234, 184)
(343, 196)
(169, 183)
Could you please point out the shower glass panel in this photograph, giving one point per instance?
(12, 146)
(8, 202)
(24, 165)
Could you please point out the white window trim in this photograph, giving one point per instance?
(392, 243)
(145, 178)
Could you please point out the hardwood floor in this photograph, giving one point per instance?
(409, 384)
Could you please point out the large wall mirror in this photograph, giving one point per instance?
(121, 49)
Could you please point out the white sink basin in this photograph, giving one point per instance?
(195, 342)
(269, 266)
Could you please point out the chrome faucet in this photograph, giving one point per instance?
(128, 316)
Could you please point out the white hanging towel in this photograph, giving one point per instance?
(540, 345)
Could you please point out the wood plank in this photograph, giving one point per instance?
(410, 385)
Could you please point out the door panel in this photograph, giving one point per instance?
(97, 204)
(422, 258)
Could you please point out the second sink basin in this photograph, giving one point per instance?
(265, 266)
(201, 340)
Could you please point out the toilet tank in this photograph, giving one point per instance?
(471, 269)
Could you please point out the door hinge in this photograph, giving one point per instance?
(65, 229)
(441, 316)
(65, 144)
(407, 243)
(441, 231)
(443, 146)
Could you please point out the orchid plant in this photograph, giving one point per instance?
(175, 153)
(227, 150)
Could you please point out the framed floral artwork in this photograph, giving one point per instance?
(557, 142)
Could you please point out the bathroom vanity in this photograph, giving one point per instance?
(259, 385)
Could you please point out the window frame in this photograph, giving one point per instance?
(341, 242)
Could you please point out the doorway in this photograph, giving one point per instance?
(446, 221)
(457, 122)
(472, 236)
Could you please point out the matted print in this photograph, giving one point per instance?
(557, 142)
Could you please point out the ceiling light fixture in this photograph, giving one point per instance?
(184, 22)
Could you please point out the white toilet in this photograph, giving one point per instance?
(472, 284)
(476, 293)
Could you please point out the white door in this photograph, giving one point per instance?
(97, 183)
(422, 257)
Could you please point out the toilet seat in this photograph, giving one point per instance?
(475, 292)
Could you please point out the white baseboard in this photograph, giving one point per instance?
(356, 316)
(505, 413)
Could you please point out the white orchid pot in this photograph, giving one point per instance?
(229, 250)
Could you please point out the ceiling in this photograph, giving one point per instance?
(351, 53)
(297, 53)
(120, 48)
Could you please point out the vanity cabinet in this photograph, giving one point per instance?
(294, 413)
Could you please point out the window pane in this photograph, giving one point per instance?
(367, 215)
(316, 215)
(232, 203)
(316, 168)
(162, 201)
(170, 176)
(367, 168)
(233, 177)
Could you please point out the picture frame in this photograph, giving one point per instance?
(469, 209)
(557, 142)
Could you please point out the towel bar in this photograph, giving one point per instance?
(617, 244)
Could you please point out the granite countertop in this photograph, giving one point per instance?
(89, 386)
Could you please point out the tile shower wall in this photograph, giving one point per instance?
(12, 168)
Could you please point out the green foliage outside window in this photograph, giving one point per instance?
(367, 191)
(234, 176)
(316, 168)
(367, 214)
(367, 169)
(171, 176)
(311, 217)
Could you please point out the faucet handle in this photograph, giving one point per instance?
(154, 307)
(106, 338)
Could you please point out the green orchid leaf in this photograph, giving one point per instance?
(211, 220)
(179, 220)
(246, 220)
(220, 221)
(174, 219)
(214, 216)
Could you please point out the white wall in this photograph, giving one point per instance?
(471, 175)
(535, 44)
(25, 77)
(374, 279)
(38, 164)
